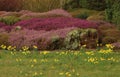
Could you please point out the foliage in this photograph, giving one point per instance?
(42, 5)
(4, 39)
(16, 14)
(10, 5)
(116, 45)
(109, 40)
(79, 11)
(5, 27)
(23, 38)
(113, 11)
(9, 20)
(52, 13)
(72, 40)
(99, 16)
(89, 4)
(76, 38)
(42, 39)
(83, 15)
(55, 23)
(110, 35)
(2, 24)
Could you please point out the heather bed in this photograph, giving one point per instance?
(54, 33)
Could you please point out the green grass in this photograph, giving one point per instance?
(59, 64)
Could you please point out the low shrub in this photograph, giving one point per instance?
(53, 39)
(116, 45)
(81, 11)
(4, 39)
(2, 12)
(42, 39)
(9, 20)
(52, 13)
(96, 17)
(56, 43)
(109, 34)
(72, 41)
(16, 14)
(2, 24)
(106, 26)
(83, 15)
(109, 40)
(55, 23)
(24, 12)
(78, 37)
(99, 16)
(23, 38)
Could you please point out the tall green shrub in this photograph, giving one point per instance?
(113, 11)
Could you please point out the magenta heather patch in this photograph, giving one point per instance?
(23, 38)
(2, 25)
(55, 23)
(5, 27)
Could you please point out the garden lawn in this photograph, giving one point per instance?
(59, 64)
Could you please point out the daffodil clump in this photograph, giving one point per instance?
(13, 48)
(108, 49)
(9, 48)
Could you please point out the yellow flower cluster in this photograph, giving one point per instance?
(106, 51)
(3, 46)
(10, 48)
(13, 48)
(25, 48)
(35, 47)
(45, 52)
(110, 46)
(90, 53)
(68, 74)
(93, 60)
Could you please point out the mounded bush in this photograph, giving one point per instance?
(52, 13)
(83, 15)
(2, 12)
(72, 41)
(89, 4)
(110, 35)
(96, 17)
(56, 43)
(113, 11)
(109, 40)
(43, 39)
(16, 14)
(4, 39)
(9, 20)
(2, 24)
(55, 23)
(116, 45)
(76, 38)
(99, 16)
